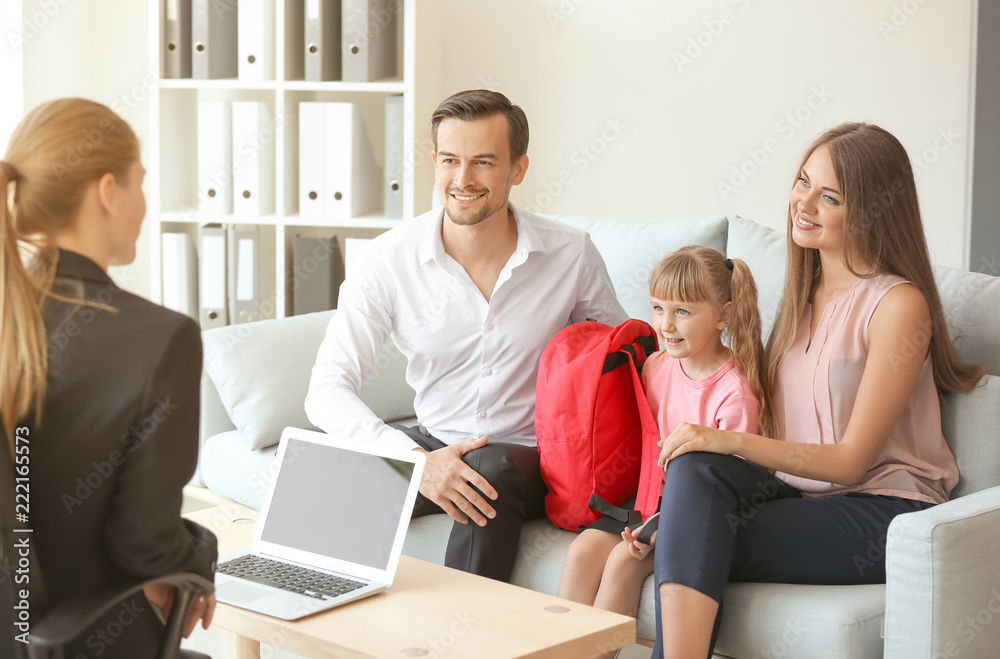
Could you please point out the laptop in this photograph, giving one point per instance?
(331, 528)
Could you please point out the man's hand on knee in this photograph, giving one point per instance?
(448, 482)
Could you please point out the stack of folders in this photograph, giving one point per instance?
(316, 274)
(350, 40)
(229, 275)
(210, 39)
(338, 176)
(235, 158)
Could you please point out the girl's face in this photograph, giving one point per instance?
(690, 331)
(817, 205)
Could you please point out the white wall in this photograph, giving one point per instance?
(97, 50)
(11, 70)
(621, 128)
(631, 121)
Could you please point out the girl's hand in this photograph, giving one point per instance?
(638, 549)
(688, 437)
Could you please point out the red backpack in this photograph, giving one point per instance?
(590, 418)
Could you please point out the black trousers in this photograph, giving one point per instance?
(724, 519)
(513, 471)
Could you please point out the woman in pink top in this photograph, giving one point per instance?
(698, 296)
(858, 355)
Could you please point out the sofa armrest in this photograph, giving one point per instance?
(943, 585)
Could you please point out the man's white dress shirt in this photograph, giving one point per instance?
(472, 363)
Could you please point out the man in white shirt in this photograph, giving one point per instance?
(471, 295)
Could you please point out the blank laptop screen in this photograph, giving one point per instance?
(337, 503)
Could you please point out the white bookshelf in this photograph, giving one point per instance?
(173, 182)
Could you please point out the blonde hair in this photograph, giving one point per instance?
(55, 152)
(703, 274)
(883, 233)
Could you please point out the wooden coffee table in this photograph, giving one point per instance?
(429, 611)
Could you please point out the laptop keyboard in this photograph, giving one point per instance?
(292, 578)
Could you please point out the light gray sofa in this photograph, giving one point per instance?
(943, 592)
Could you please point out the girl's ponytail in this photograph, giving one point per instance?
(745, 342)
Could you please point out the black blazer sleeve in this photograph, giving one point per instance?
(145, 534)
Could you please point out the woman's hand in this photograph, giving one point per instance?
(688, 437)
(161, 596)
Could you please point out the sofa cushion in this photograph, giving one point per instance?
(262, 401)
(229, 468)
(966, 420)
(789, 620)
(766, 252)
(631, 249)
(971, 301)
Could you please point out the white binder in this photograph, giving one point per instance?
(215, 154)
(244, 278)
(214, 27)
(177, 39)
(338, 177)
(394, 157)
(322, 40)
(212, 291)
(312, 159)
(180, 273)
(368, 38)
(253, 159)
(255, 41)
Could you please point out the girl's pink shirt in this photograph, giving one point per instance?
(818, 383)
(722, 400)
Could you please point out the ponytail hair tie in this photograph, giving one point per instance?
(8, 170)
(729, 264)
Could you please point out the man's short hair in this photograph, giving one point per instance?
(476, 104)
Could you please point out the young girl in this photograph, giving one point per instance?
(698, 296)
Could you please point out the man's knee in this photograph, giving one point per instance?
(495, 463)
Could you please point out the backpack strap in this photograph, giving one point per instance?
(646, 534)
(629, 518)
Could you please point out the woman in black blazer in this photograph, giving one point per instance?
(103, 384)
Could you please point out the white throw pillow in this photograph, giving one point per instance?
(262, 370)
(766, 252)
(631, 249)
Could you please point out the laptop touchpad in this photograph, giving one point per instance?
(236, 592)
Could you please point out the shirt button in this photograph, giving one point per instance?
(488, 371)
(482, 415)
(489, 326)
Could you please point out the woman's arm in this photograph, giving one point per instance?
(899, 337)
